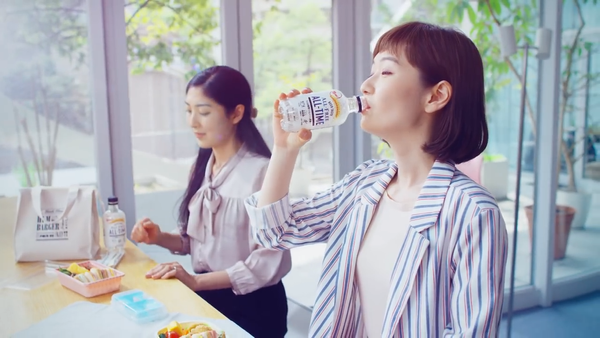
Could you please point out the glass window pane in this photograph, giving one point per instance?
(576, 233)
(293, 49)
(167, 43)
(46, 118)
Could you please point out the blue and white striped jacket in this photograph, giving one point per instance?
(448, 280)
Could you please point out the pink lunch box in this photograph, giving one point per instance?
(95, 288)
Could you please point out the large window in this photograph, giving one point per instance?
(46, 118)
(578, 193)
(293, 49)
(167, 43)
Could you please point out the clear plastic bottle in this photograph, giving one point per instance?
(318, 110)
(115, 230)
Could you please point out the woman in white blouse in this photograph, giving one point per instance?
(239, 278)
(415, 248)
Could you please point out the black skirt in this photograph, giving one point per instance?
(262, 313)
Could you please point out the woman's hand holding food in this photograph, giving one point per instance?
(145, 231)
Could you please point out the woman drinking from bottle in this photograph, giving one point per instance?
(415, 248)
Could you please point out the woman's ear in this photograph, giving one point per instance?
(238, 113)
(439, 97)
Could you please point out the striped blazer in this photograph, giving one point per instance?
(448, 279)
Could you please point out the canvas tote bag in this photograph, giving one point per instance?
(55, 223)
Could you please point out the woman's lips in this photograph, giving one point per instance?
(366, 107)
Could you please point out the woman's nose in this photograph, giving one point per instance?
(193, 120)
(366, 87)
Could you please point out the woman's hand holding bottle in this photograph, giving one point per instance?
(276, 184)
(283, 139)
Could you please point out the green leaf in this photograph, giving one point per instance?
(496, 6)
(472, 14)
(455, 14)
(588, 46)
(450, 13)
(493, 157)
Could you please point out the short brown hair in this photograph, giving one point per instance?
(460, 131)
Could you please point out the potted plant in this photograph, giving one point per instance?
(563, 220)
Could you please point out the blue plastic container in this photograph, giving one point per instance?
(138, 306)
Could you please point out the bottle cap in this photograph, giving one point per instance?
(113, 200)
(360, 103)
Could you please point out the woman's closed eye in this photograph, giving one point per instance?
(200, 113)
(385, 72)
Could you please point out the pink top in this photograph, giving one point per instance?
(218, 234)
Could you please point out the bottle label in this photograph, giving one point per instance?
(115, 233)
(320, 109)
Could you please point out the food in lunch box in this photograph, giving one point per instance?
(75, 268)
(191, 330)
(82, 274)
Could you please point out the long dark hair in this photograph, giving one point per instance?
(229, 88)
